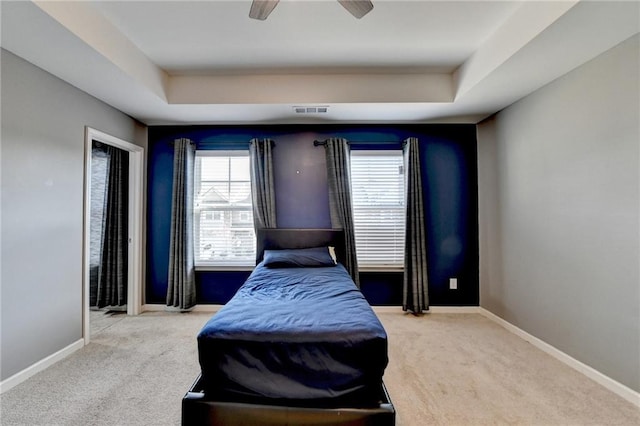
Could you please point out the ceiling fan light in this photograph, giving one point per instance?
(260, 9)
(357, 8)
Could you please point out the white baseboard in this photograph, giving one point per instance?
(454, 309)
(198, 308)
(432, 309)
(613, 385)
(380, 309)
(377, 309)
(23, 375)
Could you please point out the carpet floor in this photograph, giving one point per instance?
(444, 369)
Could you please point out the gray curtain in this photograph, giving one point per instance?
(181, 290)
(415, 295)
(111, 288)
(339, 179)
(262, 187)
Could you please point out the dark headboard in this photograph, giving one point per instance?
(274, 239)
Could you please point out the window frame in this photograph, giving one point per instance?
(201, 265)
(395, 267)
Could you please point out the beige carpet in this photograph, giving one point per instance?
(445, 369)
(463, 369)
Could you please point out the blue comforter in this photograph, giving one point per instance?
(299, 335)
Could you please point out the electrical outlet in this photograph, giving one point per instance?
(453, 283)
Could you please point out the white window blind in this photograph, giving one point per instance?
(223, 222)
(377, 187)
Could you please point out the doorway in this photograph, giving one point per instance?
(112, 264)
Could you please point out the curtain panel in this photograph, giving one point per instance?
(112, 271)
(262, 183)
(181, 289)
(338, 159)
(415, 294)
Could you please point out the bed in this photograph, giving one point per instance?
(297, 344)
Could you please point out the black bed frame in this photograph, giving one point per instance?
(198, 409)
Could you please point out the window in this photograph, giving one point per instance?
(223, 222)
(377, 187)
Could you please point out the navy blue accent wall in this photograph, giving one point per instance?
(449, 160)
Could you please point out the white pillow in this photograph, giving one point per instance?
(332, 253)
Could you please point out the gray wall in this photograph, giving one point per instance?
(42, 162)
(559, 213)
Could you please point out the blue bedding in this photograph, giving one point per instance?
(302, 336)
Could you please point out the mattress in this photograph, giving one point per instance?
(302, 336)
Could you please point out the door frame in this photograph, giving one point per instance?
(135, 224)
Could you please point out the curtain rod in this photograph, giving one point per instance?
(318, 143)
(225, 143)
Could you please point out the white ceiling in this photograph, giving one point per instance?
(186, 37)
(406, 61)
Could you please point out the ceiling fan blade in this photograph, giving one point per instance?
(357, 8)
(260, 9)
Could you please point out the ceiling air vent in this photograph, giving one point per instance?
(311, 109)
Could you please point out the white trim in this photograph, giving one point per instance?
(375, 152)
(47, 362)
(614, 386)
(136, 194)
(378, 309)
(454, 309)
(432, 309)
(154, 307)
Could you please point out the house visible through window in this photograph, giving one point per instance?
(223, 222)
(377, 187)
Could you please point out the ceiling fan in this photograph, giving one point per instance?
(260, 9)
